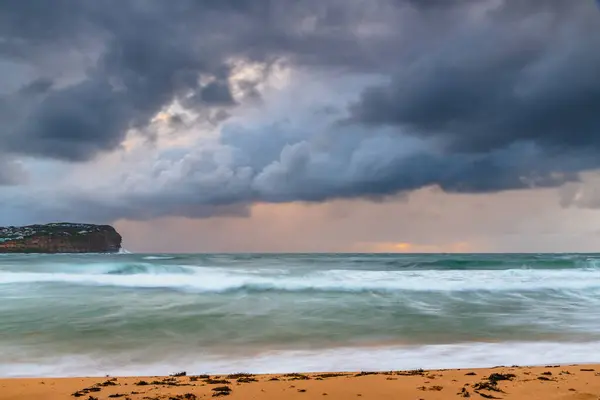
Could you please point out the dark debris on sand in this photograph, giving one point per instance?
(212, 381)
(414, 372)
(246, 379)
(83, 392)
(110, 382)
(496, 377)
(487, 396)
(329, 375)
(297, 377)
(544, 378)
(242, 377)
(195, 378)
(187, 396)
(170, 381)
(221, 391)
(491, 384)
(431, 388)
(366, 373)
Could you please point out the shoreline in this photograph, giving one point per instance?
(576, 382)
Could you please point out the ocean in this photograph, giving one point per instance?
(142, 314)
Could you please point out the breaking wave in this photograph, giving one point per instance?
(214, 279)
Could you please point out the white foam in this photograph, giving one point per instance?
(468, 355)
(214, 280)
(159, 258)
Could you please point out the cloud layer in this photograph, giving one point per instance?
(378, 98)
(525, 73)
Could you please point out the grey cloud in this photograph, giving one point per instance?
(152, 54)
(226, 180)
(214, 93)
(386, 163)
(143, 55)
(527, 73)
(146, 55)
(249, 166)
(217, 92)
(148, 61)
(483, 96)
(72, 123)
(11, 172)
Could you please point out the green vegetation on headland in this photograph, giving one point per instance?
(60, 237)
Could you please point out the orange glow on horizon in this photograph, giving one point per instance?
(406, 247)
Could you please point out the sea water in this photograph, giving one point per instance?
(123, 314)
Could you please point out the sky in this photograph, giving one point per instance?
(305, 125)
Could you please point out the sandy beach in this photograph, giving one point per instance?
(577, 382)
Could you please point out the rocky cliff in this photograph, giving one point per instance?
(60, 238)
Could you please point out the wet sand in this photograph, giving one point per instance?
(576, 382)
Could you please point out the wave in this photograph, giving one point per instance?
(467, 355)
(147, 269)
(368, 262)
(159, 257)
(488, 262)
(216, 280)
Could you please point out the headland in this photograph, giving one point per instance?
(63, 237)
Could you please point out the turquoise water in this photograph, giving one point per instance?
(68, 315)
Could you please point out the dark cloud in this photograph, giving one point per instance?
(526, 72)
(289, 164)
(72, 123)
(147, 54)
(473, 96)
(143, 55)
(213, 93)
(225, 181)
(147, 61)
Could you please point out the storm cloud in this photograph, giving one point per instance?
(471, 96)
(145, 57)
(527, 72)
(142, 56)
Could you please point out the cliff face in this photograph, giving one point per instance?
(60, 238)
